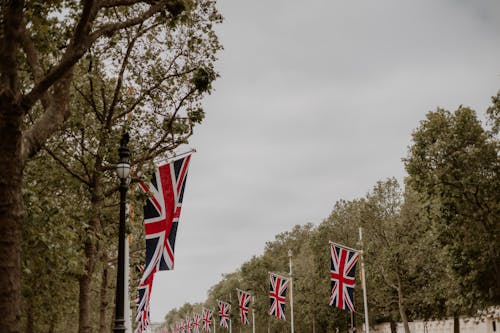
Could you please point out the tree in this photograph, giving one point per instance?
(454, 165)
(40, 45)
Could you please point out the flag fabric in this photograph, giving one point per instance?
(196, 323)
(161, 218)
(244, 305)
(207, 319)
(189, 325)
(142, 314)
(342, 275)
(162, 212)
(224, 309)
(277, 295)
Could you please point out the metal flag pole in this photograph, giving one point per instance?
(213, 320)
(229, 312)
(253, 314)
(367, 323)
(291, 290)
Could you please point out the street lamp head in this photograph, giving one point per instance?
(290, 252)
(123, 166)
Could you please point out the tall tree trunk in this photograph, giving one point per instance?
(104, 296)
(11, 212)
(91, 255)
(29, 319)
(402, 307)
(85, 288)
(456, 323)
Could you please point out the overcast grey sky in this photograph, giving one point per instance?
(316, 102)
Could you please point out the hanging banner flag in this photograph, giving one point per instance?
(342, 275)
(189, 325)
(224, 309)
(207, 319)
(277, 295)
(244, 305)
(196, 323)
(161, 217)
(182, 326)
(162, 212)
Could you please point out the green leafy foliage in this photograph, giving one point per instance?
(454, 165)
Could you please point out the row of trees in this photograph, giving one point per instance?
(87, 71)
(430, 247)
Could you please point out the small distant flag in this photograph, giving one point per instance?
(224, 309)
(244, 305)
(196, 323)
(342, 276)
(277, 295)
(207, 319)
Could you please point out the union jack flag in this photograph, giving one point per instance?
(142, 316)
(244, 305)
(161, 217)
(189, 325)
(224, 309)
(196, 323)
(162, 211)
(207, 319)
(277, 295)
(342, 275)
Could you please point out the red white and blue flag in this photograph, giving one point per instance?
(161, 218)
(277, 295)
(343, 276)
(206, 319)
(189, 325)
(224, 309)
(244, 305)
(196, 323)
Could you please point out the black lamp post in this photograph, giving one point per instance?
(123, 170)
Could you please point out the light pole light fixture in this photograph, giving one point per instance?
(123, 166)
(123, 171)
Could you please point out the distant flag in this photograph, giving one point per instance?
(224, 309)
(196, 323)
(277, 295)
(342, 275)
(207, 319)
(189, 325)
(161, 217)
(244, 305)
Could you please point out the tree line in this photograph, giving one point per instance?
(430, 245)
(75, 75)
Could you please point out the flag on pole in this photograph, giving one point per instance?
(244, 305)
(162, 212)
(277, 295)
(224, 309)
(161, 217)
(207, 319)
(343, 275)
(196, 323)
